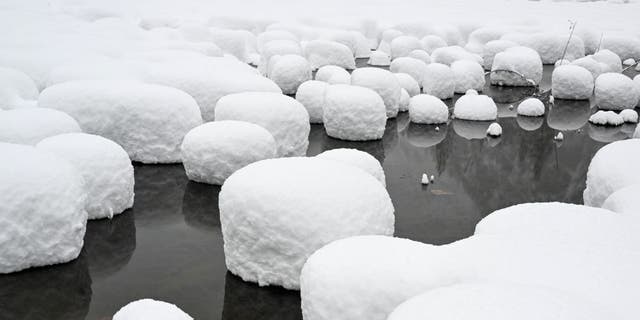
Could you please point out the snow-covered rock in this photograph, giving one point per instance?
(608, 57)
(42, 210)
(626, 47)
(311, 95)
(356, 158)
(611, 169)
(150, 309)
(284, 117)
(382, 82)
(629, 116)
(405, 100)
(420, 55)
(432, 42)
(322, 52)
(468, 75)
(439, 81)
(333, 75)
(516, 66)
(30, 125)
(289, 71)
(572, 83)
(408, 83)
(531, 107)
(492, 48)
(428, 109)
(213, 151)
(449, 55)
(267, 240)
(412, 66)
(129, 113)
(595, 67)
(475, 107)
(105, 167)
(615, 91)
(624, 200)
(606, 118)
(403, 45)
(379, 59)
(354, 113)
(494, 130)
(17, 89)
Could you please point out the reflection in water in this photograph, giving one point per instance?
(109, 244)
(158, 190)
(471, 129)
(530, 123)
(425, 135)
(606, 133)
(569, 114)
(200, 205)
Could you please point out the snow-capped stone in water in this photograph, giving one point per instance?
(356, 158)
(17, 90)
(289, 71)
(311, 95)
(494, 130)
(354, 113)
(428, 109)
(624, 200)
(405, 100)
(420, 55)
(468, 75)
(531, 107)
(213, 151)
(408, 83)
(425, 179)
(105, 167)
(492, 48)
(572, 83)
(325, 201)
(30, 125)
(148, 121)
(516, 66)
(412, 66)
(148, 309)
(284, 117)
(612, 168)
(606, 118)
(432, 42)
(616, 91)
(629, 116)
(629, 62)
(558, 137)
(43, 215)
(322, 53)
(475, 107)
(333, 75)
(612, 60)
(439, 81)
(379, 59)
(551, 46)
(403, 45)
(595, 67)
(449, 55)
(626, 47)
(382, 82)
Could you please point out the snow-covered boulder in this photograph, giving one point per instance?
(322, 52)
(354, 113)
(531, 107)
(427, 109)
(595, 67)
(333, 75)
(492, 48)
(311, 95)
(612, 168)
(43, 215)
(284, 117)
(615, 91)
(150, 309)
(420, 55)
(30, 125)
(608, 57)
(626, 47)
(572, 83)
(412, 66)
(289, 71)
(516, 66)
(213, 151)
(379, 59)
(468, 75)
(382, 82)
(449, 55)
(105, 167)
(551, 47)
(267, 240)
(606, 118)
(624, 200)
(356, 158)
(148, 121)
(439, 81)
(17, 89)
(403, 45)
(432, 42)
(408, 83)
(475, 107)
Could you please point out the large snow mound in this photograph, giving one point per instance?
(148, 121)
(30, 125)
(615, 91)
(267, 239)
(381, 81)
(428, 109)
(439, 81)
(356, 158)
(149, 309)
(17, 89)
(311, 95)
(289, 71)
(42, 213)
(571, 82)
(105, 167)
(323, 52)
(475, 107)
(354, 113)
(468, 75)
(517, 66)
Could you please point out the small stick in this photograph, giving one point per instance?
(572, 27)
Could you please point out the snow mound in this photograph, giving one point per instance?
(616, 91)
(213, 151)
(412, 66)
(30, 125)
(475, 107)
(325, 201)
(403, 45)
(333, 75)
(492, 48)
(531, 107)
(432, 42)
(277, 48)
(606, 118)
(379, 59)
(449, 55)
(150, 309)
(494, 130)
(17, 89)
(468, 75)
(551, 47)
(420, 55)
(311, 95)
(382, 82)
(43, 217)
(354, 113)
(439, 81)
(572, 83)
(405, 100)
(629, 116)
(265, 37)
(626, 47)
(609, 58)
(596, 68)
(322, 53)
(516, 66)
(105, 167)
(408, 83)
(428, 109)
(356, 158)
(284, 117)
(289, 71)
(624, 200)
(130, 114)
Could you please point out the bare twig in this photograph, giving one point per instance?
(572, 27)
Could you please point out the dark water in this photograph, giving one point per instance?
(169, 246)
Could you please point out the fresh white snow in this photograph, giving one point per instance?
(428, 109)
(30, 125)
(354, 113)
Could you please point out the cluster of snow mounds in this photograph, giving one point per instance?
(17, 90)
(616, 91)
(379, 59)
(595, 67)
(571, 82)
(449, 55)
(428, 109)
(150, 309)
(516, 66)
(473, 106)
(213, 151)
(284, 117)
(267, 239)
(289, 71)
(148, 121)
(30, 125)
(610, 59)
(439, 81)
(468, 75)
(609, 118)
(333, 75)
(354, 113)
(382, 82)
(624, 200)
(612, 168)
(105, 167)
(356, 158)
(42, 210)
(412, 66)
(531, 107)
(311, 95)
(323, 52)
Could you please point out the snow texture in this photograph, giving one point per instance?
(17, 90)
(449, 55)
(322, 53)
(616, 91)
(439, 81)
(468, 75)
(475, 107)
(629, 116)
(551, 46)
(606, 118)
(311, 95)
(492, 48)
(354, 113)
(420, 55)
(333, 75)
(356, 158)
(595, 67)
(152, 310)
(30, 125)
(277, 48)
(412, 66)
(403, 45)
(382, 82)
(428, 109)
(408, 83)
(432, 42)
(289, 71)
(405, 100)
(572, 83)
(626, 47)
(608, 57)
(531, 107)
(379, 59)
(516, 66)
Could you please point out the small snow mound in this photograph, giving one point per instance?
(17, 89)
(432, 42)
(629, 62)
(356, 158)
(494, 130)
(595, 67)
(531, 107)
(408, 83)
(558, 137)
(572, 82)
(449, 55)
(333, 75)
(412, 66)
(421, 55)
(150, 309)
(475, 107)
(425, 179)
(382, 82)
(311, 95)
(439, 81)
(615, 91)
(428, 109)
(289, 71)
(354, 113)
(492, 48)
(606, 118)
(629, 116)
(468, 75)
(30, 125)
(609, 58)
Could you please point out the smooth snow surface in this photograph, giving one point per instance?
(439, 81)
(149, 309)
(17, 89)
(30, 125)
(322, 53)
(517, 66)
(494, 130)
(531, 107)
(379, 59)
(381, 81)
(571, 82)
(354, 113)
(289, 71)
(625, 200)
(356, 158)
(311, 95)
(615, 91)
(475, 107)
(428, 109)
